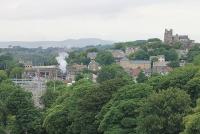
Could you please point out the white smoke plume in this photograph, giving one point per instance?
(62, 62)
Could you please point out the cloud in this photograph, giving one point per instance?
(52, 9)
(107, 19)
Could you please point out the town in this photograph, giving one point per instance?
(48, 73)
(154, 63)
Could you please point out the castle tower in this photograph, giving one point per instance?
(176, 38)
(168, 36)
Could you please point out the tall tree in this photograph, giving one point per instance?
(141, 77)
(119, 115)
(163, 112)
(105, 58)
(111, 72)
(192, 121)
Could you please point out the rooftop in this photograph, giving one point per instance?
(45, 67)
(141, 62)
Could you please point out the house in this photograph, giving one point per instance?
(135, 72)
(126, 64)
(159, 61)
(129, 65)
(130, 50)
(118, 55)
(159, 58)
(73, 70)
(76, 68)
(159, 66)
(142, 64)
(182, 53)
(93, 66)
(163, 70)
(92, 55)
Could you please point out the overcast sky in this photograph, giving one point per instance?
(117, 20)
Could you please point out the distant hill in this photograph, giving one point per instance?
(66, 43)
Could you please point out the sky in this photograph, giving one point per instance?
(116, 20)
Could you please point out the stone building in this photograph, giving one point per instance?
(118, 55)
(131, 50)
(171, 39)
(129, 65)
(73, 70)
(93, 66)
(46, 72)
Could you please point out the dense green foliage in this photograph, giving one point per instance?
(37, 56)
(78, 57)
(141, 77)
(115, 104)
(194, 51)
(139, 55)
(105, 58)
(17, 111)
(174, 64)
(192, 121)
(111, 72)
(163, 112)
(53, 91)
(119, 115)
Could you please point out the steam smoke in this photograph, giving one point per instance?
(62, 62)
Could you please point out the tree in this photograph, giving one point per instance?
(171, 55)
(194, 51)
(79, 76)
(174, 64)
(54, 90)
(105, 58)
(79, 57)
(3, 114)
(177, 78)
(139, 55)
(120, 46)
(56, 121)
(16, 72)
(119, 115)
(141, 77)
(193, 89)
(20, 105)
(196, 60)
(65, 115)
(154, 40)
(3, 75)
(111, 72)
(92, 49)
(2, 131)
(163, 112)
(192, 121)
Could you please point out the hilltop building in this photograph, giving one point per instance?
(171, 39)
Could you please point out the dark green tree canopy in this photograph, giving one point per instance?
(105, 58)
(111, 72)
(163, 112)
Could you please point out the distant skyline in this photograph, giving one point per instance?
(116, 20)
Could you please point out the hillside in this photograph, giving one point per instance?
(65, 43)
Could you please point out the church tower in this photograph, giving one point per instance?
(168, 36)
